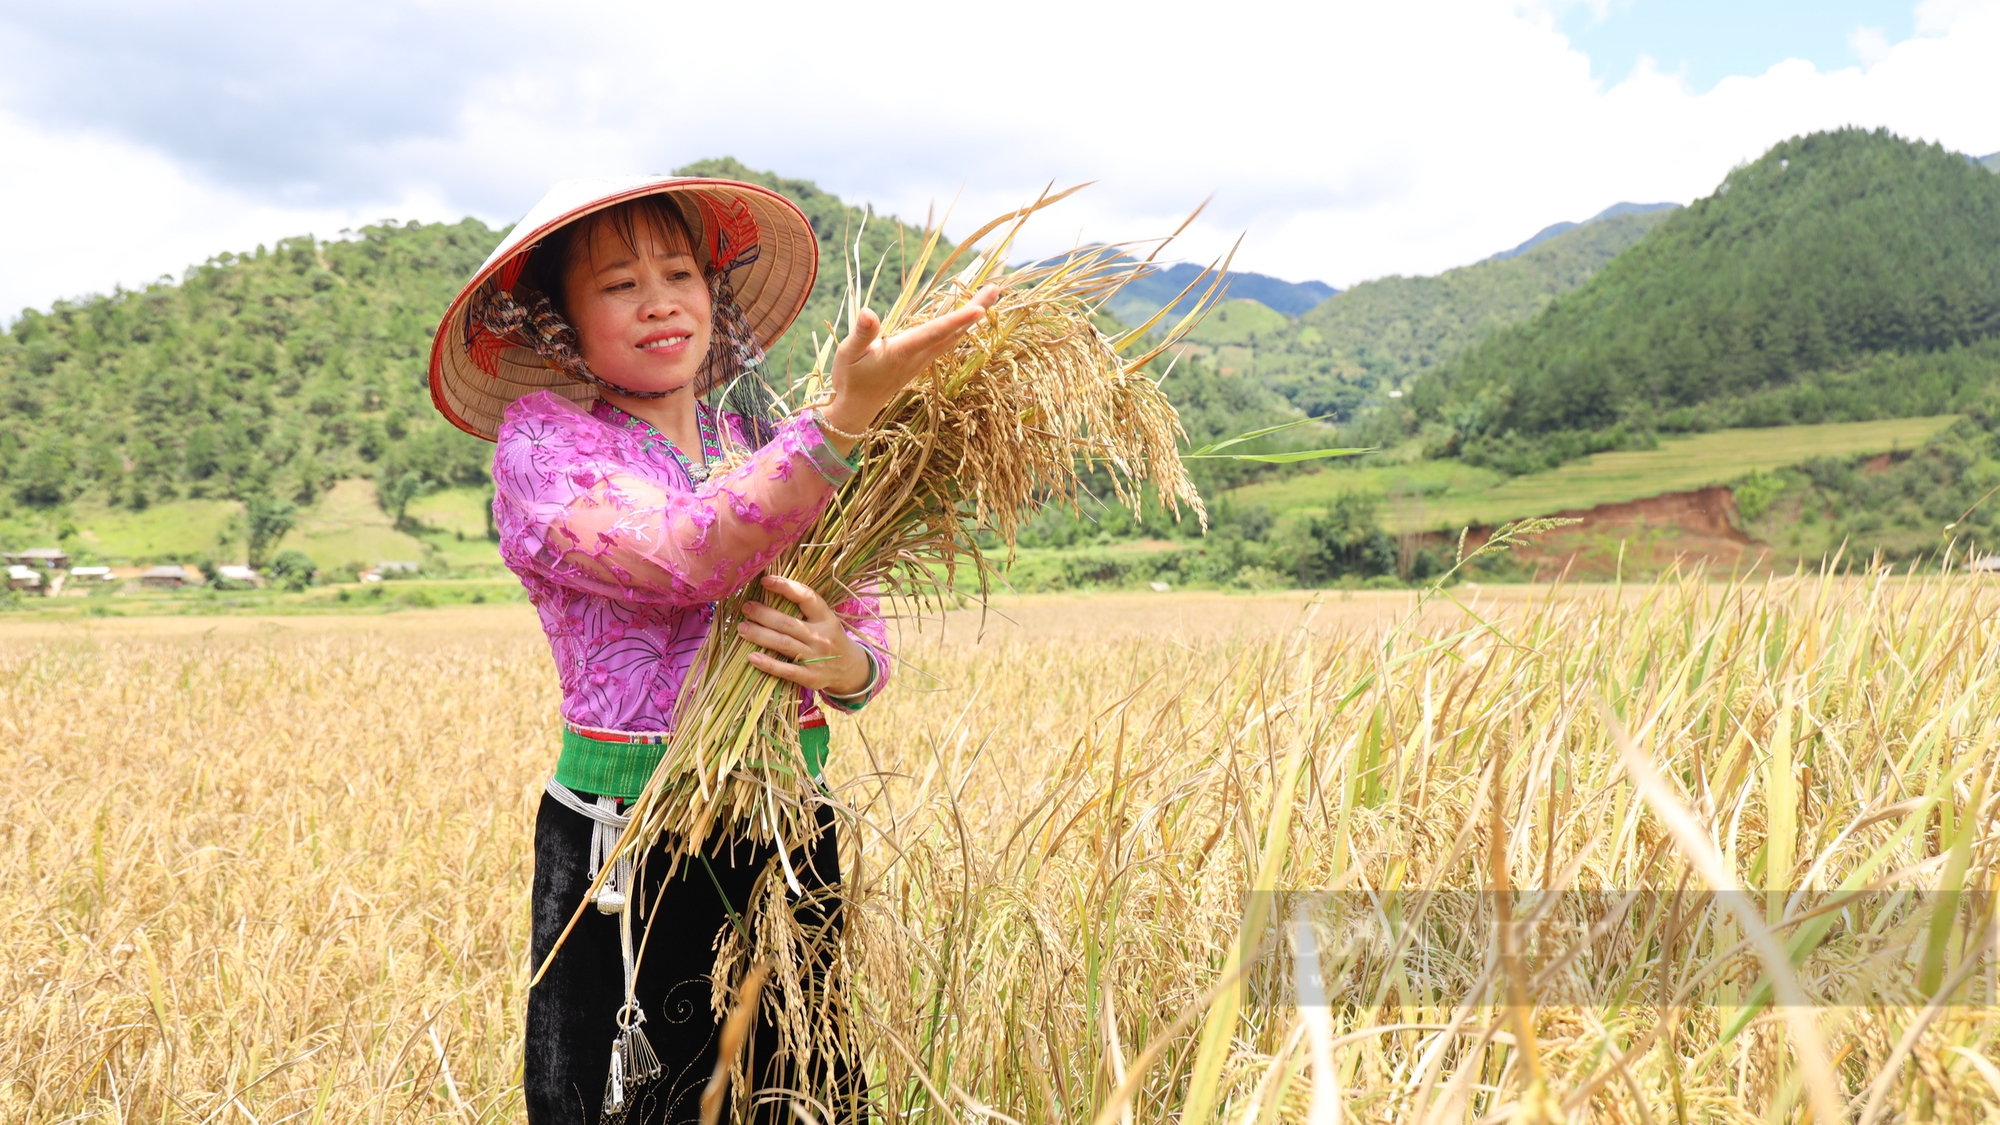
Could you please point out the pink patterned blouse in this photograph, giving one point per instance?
(624, 557)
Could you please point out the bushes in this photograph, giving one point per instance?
(1899, 505)
(1755, 493)
(1345, 542)
(293, 569)
(1244, 550)
(1517, 455)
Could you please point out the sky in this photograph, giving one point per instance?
(1338, 141)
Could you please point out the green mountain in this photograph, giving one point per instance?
(259, 379)
(1842, 276)
(1376, 337)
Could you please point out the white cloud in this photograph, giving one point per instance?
(1935, 17)
(1869, 45)
(89, 212)
(1344, 141)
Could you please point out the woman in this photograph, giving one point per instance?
(628, 508)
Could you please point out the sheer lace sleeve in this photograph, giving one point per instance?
(569, 510)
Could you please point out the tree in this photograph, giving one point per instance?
(267, 520)
(46, 474)
(398, 491)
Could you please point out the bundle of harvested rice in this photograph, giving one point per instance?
(999, 426)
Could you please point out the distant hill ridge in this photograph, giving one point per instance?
(1146, 296)
(1139, 300)
(1611, 212)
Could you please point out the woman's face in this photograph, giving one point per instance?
(642, 318)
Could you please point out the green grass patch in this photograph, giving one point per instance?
(1429, 495)
(177, 529)
(348, 525)
(345, 525)
(457, 512)
(1238, 321)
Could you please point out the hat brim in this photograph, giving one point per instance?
(474, 377)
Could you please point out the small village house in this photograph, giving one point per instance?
(38, 558)
(233, 575)
(41, 569)
(164, 578)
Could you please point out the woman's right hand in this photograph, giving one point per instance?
(868, 370)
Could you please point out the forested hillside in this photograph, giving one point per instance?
(1842, 276)
(258, 376)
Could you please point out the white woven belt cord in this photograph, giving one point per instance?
(603, 814)
(606, 826)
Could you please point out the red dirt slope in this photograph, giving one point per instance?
(1697, 528)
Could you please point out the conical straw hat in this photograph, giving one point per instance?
(756, 234)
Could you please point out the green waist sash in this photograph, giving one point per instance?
(621, 769)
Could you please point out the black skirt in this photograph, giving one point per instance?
(572, 1013)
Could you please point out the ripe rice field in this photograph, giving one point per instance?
(1546, 855)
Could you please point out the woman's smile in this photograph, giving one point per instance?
(670, 342)
(650, 293)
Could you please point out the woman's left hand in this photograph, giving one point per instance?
(812, 650)
(869, 370)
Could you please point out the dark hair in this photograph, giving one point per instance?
(548, 266)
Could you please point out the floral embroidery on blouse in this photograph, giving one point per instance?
(624, 557)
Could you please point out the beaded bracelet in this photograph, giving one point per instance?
(819, 419)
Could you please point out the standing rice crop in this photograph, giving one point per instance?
(1682, 853)
(284, 876)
